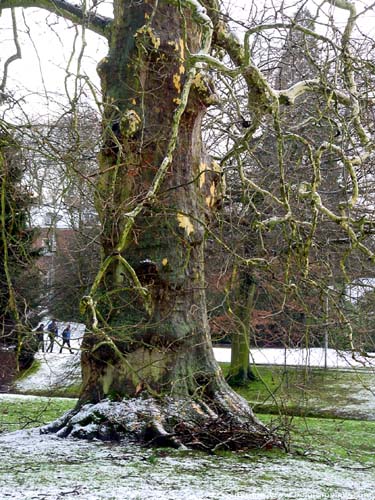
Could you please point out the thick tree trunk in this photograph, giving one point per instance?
(142, 79)
(152, 342)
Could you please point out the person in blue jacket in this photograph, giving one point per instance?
(66, 335)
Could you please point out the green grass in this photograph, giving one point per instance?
(316, 411)
(68, 391)
(308, 392)
(25, 413)
(327, 439)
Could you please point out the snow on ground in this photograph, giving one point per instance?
(56, 370)
(314, 357)
(35, 466)
(19, 397)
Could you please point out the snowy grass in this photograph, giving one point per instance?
(331, 459)
(44, 466)
(54, 374)
(311, 391)
(324, 439)
(313, 357)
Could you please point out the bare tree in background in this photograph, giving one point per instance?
(61, 171)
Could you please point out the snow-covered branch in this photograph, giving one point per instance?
(288, 96)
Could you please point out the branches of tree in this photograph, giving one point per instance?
(73, 12)
(294, 240)
(16, 301)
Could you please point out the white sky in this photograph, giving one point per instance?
(42, 73)
(47, 43)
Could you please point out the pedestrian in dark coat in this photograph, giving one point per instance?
(52, 334)
(66, 336)
(40, 336)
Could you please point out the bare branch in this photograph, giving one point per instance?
(12, 58)
(95, 22)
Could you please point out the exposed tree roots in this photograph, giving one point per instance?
(167, 422)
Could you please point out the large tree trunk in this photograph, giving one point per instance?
(152, 343)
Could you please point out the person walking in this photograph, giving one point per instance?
(40, 336)
(66, 336)
(52, 334)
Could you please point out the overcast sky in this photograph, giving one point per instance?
(47, 44)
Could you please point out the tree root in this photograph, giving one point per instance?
(168, 422)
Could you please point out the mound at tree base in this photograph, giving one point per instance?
(168, 422)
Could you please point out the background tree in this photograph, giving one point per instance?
(60, 169)
(310, 266)
(16, 300)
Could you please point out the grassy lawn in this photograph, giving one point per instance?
(301, 405)
(322, 414)
(22, 413)
(325, 439)
(311, 392)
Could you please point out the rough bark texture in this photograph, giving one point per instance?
(152, 346)
(142, 79)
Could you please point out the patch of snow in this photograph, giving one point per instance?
(314, 357)
(19, 397)
(44, 466)
(56, 370)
